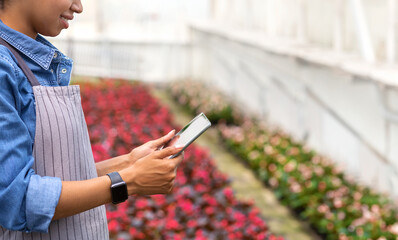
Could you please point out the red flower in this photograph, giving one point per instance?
(200, 188)
(113, 226)
(228, 193)
(209, 210)
(192, 223)
(120, 116)
(172, 224)
(159, 199)
(210, 200)
(141, 203)
(223, 223)
(186, 206)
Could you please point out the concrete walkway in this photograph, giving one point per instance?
(245, 184)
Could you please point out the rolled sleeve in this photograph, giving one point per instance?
(41, 200)
(27, 200)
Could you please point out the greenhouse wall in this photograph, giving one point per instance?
(151, 61)
(337, 105)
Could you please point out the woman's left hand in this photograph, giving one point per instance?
(124, 161)
(149, 147)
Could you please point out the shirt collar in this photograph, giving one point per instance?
(40, 50)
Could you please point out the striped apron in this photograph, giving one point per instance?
(62, 149)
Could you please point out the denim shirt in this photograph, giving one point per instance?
(27, 200)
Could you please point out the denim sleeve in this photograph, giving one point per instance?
(27, 200)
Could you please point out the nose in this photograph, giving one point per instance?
(77, 6)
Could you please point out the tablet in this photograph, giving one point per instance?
(189, 133)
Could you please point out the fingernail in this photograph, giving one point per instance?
(179, 146)
(171, 131)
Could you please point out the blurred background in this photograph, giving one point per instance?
(324, 71)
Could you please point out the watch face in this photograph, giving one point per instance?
(119, 192)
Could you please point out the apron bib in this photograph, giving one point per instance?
(62, 149)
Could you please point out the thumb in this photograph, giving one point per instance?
(166, 152)
(163, 140)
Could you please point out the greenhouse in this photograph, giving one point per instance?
(301, 96)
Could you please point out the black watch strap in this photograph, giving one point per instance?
(118, 188)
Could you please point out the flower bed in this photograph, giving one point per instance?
(310, 184)
(121, 115)
(196, 99)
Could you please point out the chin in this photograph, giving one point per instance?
(51, 33)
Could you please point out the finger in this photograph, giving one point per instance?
(163, 140)
(174, 162)
(166, 152)
(178, 159)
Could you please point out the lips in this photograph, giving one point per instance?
(65, 20)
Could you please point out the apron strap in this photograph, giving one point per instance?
(21, 63)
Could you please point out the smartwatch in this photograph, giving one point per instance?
(118, 188)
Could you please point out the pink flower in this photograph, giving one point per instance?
(141, 203)
(239, 217)
(393, 228)
(200, 188)
(172, 224)
(323, 208)
(228, 193)
(113, 226)
(210, 200)
(186, 206)
(192, 223)
(322, 186)
(159, 199)
(338, 203)
(132, 232)
(209, 210)
(223, 223)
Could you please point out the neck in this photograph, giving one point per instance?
(12, 19)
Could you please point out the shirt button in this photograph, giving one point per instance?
(55, 55)
(64, 70)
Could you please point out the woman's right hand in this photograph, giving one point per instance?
(152, 174)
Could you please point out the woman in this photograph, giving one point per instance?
(50, 187)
